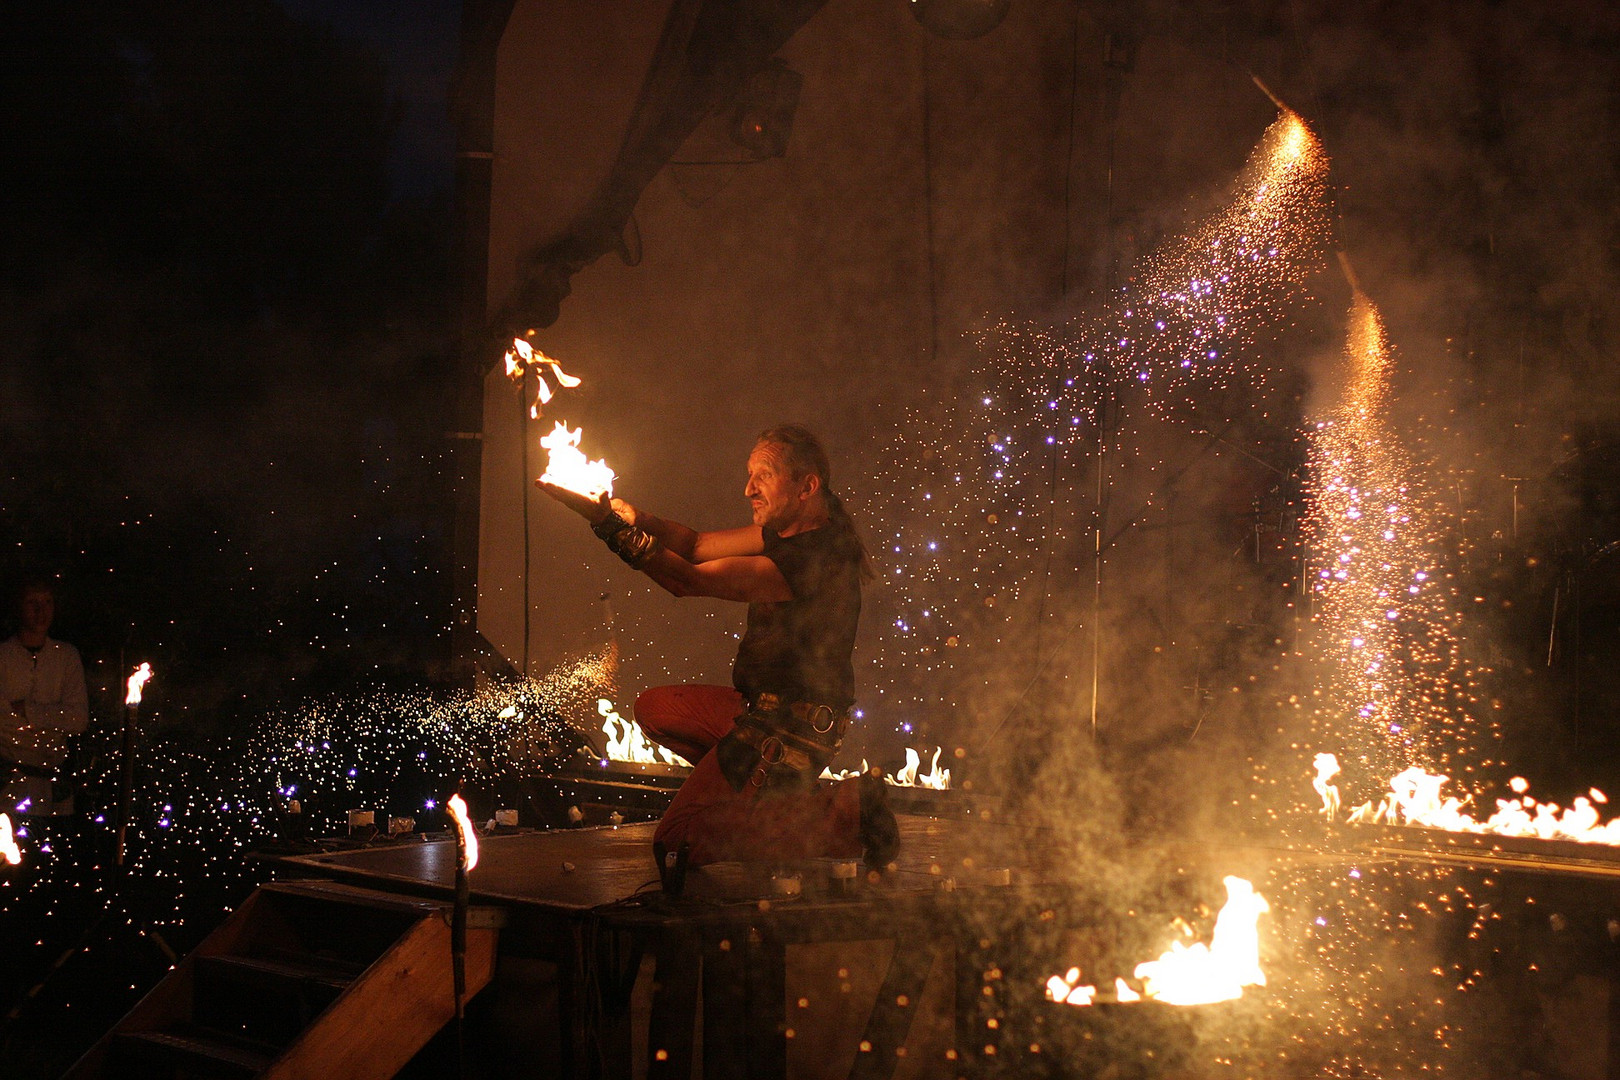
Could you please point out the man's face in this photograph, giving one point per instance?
(772, 492)
(37, 609)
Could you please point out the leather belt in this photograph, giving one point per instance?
(772, 743)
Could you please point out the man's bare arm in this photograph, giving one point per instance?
(750, 579)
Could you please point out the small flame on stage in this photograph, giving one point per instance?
(137, 680)
(1415, 799)
(627, 742)
(523, 357)
(568, 468)
(464, 829)
(9, 850)
(1327, 767)
(1202, 974)
(935, 779)
(1196, 974)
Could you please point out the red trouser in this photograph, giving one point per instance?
(751, 825)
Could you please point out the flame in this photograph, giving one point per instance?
(137, 680)
(1197, 974)
(1327, 767)
(522, 357)
(627, 742)
(568, 468)
(1200, 974)
(8, 843)
(1415, 798)
(464, 829)
(935, 779)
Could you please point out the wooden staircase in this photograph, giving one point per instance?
(306, 980)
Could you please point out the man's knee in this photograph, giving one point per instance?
(654, 708)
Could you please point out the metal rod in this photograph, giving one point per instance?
(126, 783)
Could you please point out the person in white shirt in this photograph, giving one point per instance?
(42, 703)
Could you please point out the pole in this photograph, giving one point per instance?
(126, 783)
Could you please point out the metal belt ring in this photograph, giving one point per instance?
(771, 750)
(832, 718)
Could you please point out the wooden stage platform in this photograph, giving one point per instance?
(602, 973)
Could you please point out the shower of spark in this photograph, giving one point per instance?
(1185, 338)
(1397, 689)
(333, 750)
(293, 771)
(1194, 316)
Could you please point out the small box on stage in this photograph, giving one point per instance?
(362, 824)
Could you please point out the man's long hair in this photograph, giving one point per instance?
(804, 455)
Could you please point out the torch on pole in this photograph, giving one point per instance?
(466, 859)
(126, 783)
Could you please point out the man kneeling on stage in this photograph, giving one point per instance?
(758, 746)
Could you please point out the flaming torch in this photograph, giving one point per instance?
(466, 859)
(9, 851)
(126, 788)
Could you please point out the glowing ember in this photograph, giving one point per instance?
(8, 843)
(1065, 989)
(627, 742)
(137, 680)
(1327, 767)
(568, 468)
(1196, 974)
(464, 829)
(523, 357)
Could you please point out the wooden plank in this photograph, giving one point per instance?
(618, 957)
(672, 1020)
(725, 997)
(895, 1006)
(391, 1011)
(766, 1004)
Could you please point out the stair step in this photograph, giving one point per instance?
(333, 892)
(315, 971)
(268, 998)
(197, 1052)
